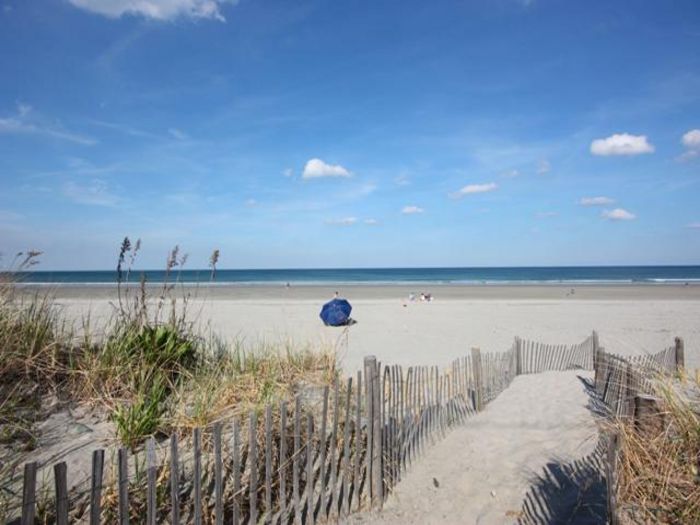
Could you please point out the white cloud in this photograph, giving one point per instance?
(474, 188)
(691, 140)
(512, 174)
(546, 214)
(694, 225)
(251, 203)
(316, 168)
(618, 214)
(411, 210)
(177, 133)
(289, 172)
(543, 167)
(596, 201)
(95, 193)
(371, 222)
(621, 144)
(155, 9)
(26, 121)
(346, 221)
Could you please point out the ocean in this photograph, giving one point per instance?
(466, 276)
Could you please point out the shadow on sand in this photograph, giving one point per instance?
(573, 492)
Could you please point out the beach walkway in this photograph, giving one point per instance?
(482, 472)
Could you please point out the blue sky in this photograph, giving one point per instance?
(331, 134)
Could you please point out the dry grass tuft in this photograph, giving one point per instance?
(659, 472)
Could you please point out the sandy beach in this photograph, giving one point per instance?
(629, 319)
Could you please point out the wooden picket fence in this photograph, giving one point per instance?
(626, 387)
(312, 461)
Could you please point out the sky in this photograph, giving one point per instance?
(314, 134)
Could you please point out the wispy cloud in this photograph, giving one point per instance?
(27, 121)
(346, 221)
(316, 168)
(411, 210)
(178, 134)
(691, 140)
(694, 225)
(371, 222)
(156, 9)
(95, 193)
(402, 180)
(471, 189)
(596, 201)
(618, 214)
(621, 144)
(289, 172)
(126, 129)
(543, 167)
(511, 174)
(546, 214)
(10, 216)
(359, 192)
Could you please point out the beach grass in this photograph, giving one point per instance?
(150, 370)
(659, 469)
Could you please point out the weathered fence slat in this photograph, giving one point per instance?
(98, 460)
(268, 464)
(60, 473)
(29, 493)
(295, 459)
(357, 466)
(322, 453)
(174, 481)
(345, 460)
(236, 446)
(283, 462)
(123, 481)
(218, 477)
(151, 509)
(197, 444)
(332, 503)
(310, 518)
(253, 465)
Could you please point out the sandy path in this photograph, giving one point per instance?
(484, 469)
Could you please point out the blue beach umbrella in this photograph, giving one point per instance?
(336, 312)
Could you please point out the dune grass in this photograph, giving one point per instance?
(659, 471)
(150, 371)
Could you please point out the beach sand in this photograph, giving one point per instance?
(538, 422)
(629, 319)
(485, 468)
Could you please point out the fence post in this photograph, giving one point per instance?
(478, 379)
(648, 417)
(374, 429)
(596, 349)
(611, 468)
(29, 494)
(98, 458)
(680, 354)
(518, 356)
